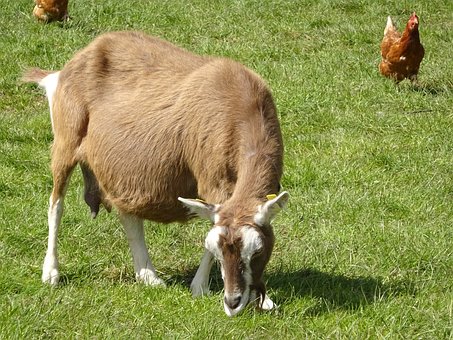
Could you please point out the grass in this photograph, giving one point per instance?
(364, 249)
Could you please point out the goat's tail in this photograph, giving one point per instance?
(48, 80)
(35, 75)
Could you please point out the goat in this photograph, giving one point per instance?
(150, 123)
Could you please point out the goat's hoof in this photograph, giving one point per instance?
(199, 291)
(267, 304)
(155, 282)
(149, 278)
(50, 274)
(51, 277)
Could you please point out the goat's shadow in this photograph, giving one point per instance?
(328, 291)
(331, 291)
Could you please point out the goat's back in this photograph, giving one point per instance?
(156, 122)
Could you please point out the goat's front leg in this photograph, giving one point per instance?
(144, 269)
(200, 283)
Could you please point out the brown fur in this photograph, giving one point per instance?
(159, 122)
(149, 122)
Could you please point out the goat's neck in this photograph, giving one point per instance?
(257, 178)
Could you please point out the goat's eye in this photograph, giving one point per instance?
(257, 253)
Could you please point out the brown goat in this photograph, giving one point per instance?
(150, 123)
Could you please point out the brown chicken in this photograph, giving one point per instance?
(50, 10)
(401, 54)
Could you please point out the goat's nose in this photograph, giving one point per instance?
(233, 302)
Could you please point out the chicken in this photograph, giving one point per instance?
(401, 54)
(50, 10)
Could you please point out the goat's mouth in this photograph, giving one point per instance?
(234, 304)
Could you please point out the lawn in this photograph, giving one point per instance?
(364, 248)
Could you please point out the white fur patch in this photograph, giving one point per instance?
(50, 83)
(50, 272)
(260, 218)
(211, 242)
(216, 217)
(252, 243)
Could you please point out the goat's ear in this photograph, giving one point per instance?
(270, 209)
(200, 208)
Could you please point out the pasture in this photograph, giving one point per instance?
(364, 248)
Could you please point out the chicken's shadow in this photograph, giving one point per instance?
(433, 89)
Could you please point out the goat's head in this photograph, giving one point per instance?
(242, 242)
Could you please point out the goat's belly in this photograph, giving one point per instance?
(158, 212)
(156, 201)
(147, 187)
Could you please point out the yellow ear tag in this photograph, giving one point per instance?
(200, 200)
(271, 196)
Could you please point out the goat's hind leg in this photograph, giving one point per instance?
(62, 165)
(144, 269)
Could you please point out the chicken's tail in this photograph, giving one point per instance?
(390, 26)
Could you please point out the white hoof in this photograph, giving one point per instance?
(149, 278)
(50, 274)
(155, 282)
(267, 304)
(51, 277)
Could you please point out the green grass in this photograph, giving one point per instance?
(364, 249)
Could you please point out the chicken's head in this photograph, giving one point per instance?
(412, 24)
